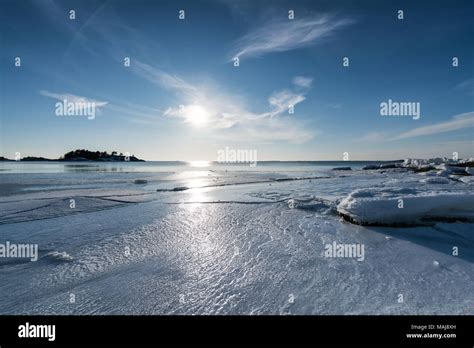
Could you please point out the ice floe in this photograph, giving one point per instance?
(395, 206)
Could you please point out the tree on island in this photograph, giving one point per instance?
(83, 154)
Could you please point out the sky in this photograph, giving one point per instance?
(182, 97)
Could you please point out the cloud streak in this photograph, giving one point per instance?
(461, 121)
(140, 114)
(303, 81)
(214, 109)
(287, 35)
(72, 98)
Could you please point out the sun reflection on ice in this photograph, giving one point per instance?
(199, 164)
(198, 192)
(198, 195)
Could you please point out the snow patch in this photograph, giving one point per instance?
(59, 256)
(435, 180)
(405, 206)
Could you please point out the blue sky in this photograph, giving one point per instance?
(182, 98)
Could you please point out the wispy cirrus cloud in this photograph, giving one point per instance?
(466, 86)
(210, 107)
(373, 137)
(163, 79)
(303, 81)
(140, 114)
(136, 113)
(72, 98)
(281, 100)
(286, 35)
(460, 121)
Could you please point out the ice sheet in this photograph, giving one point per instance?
(252, 246)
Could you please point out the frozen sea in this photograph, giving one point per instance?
(205, 238)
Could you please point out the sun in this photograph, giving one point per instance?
(197, 115)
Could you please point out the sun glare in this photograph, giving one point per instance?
(197, 115)
(199, 164)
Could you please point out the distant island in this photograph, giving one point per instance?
(84, 155)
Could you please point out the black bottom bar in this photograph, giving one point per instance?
(291, 330)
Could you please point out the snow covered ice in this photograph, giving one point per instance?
(238, 240)
(392, 206)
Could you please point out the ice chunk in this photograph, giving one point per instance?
(405, 206)
(370, 167)
(435, 180)
(141, 181)
(388, 166)
(59, 256)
